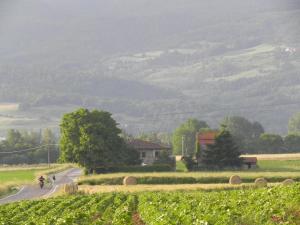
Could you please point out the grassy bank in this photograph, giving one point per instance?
(279, 165)
(27, 174)
(7, 189)
(17, 176)
(269, 164)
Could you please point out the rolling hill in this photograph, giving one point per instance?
(148, 61)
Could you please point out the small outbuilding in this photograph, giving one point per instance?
(249, 162)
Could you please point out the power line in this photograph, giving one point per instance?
(164, 116)
(230, 108)
(28, 149)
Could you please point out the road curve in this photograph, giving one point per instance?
(34, 191)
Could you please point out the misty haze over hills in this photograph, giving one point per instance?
(142, 59)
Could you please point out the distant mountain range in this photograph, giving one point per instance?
(153, 64)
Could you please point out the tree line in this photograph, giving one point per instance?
(29, 147)
(250, 137)
(93, 140)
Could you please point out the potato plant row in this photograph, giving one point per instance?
(276, 205)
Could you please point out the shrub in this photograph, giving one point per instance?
(189, 162)
(164, 158)
(167, 180)
(103, 181)
(148, 168)
(173, 180)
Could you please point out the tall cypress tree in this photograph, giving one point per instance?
(224, 153)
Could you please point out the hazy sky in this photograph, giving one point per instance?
(25, 23)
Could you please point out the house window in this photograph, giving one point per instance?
(143, 154)
(156, 154)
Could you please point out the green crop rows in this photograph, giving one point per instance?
(276, 205)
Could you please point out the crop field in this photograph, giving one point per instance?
(275, 205)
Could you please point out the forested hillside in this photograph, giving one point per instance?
(144, 58)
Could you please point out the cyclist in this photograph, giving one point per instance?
(41, 181)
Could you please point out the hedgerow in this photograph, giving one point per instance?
(175, 180)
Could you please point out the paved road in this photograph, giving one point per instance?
(34, 191)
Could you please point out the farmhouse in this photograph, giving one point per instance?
(149, 151)
(208, 138)
(203, 139)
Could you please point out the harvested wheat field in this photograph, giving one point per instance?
(290, 156)
(172, 187)
(5, 107)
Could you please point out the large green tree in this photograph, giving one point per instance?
(92, 139)
(292, 143)
(224, 153)
(271, 143)
(245, 133)
(187, 131)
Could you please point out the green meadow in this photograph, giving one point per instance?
(17, 176)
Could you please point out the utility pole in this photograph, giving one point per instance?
(48, 156)
(182, 145)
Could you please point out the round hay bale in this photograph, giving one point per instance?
(71, 188)
(288, 182)
(66, 188)
(261, 182)
(235, 179)
(75, 187)
(129, 181)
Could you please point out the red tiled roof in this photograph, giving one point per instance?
(207, 137)
(249, 159)
(147, 145)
